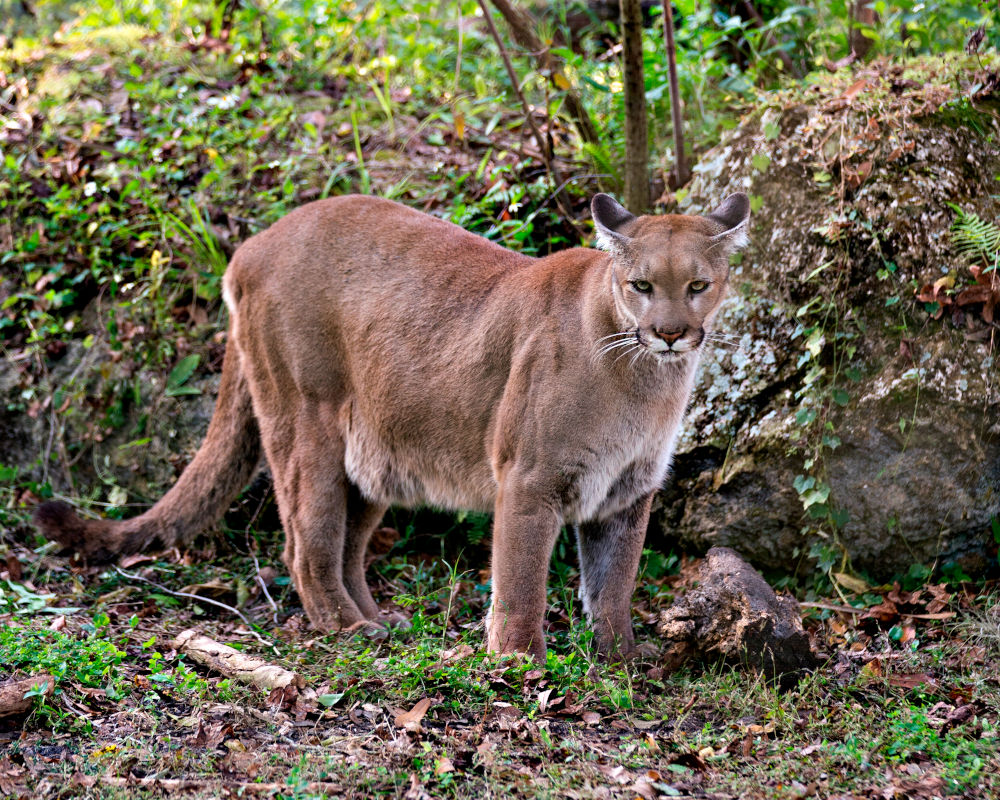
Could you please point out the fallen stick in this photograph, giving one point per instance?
(12, 695)
(234, 664)
(194, 784)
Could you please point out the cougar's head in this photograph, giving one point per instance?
(669, 273)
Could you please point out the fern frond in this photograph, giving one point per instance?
(975, 238)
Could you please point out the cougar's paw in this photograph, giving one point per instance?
(378, 628)
(616, 651)
(367, 627)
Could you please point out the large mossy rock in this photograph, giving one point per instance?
(844, 381)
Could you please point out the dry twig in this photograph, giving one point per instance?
(200, 599)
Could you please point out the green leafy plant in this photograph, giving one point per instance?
(975, 238)
(180, 374)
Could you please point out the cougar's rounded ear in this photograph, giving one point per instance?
(610, 219)
(733, 215)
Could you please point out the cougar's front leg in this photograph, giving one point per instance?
(610, 550)
(525, 528)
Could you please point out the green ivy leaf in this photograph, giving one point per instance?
(816, 496)
(840, 517)
(803, 483)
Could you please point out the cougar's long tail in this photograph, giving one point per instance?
(221, 468)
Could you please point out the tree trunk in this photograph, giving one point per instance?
(862, 13)
(680, 173)
(636, 133)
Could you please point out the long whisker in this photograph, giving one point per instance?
(635, 347)
(636, 350)
(616, 333)
(617, 340)
(599, 356)
(622, 337)
(729, 343)
(624, 353)
(616, 343)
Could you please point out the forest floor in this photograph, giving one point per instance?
(905, 703)
(130, 168)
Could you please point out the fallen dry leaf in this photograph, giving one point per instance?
(443, 765)
(410, 720)
(911, 680)
(456, 653)
(873, 668)
(958, 716)
(210, 736)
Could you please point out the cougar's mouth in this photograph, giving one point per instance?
(683, 346)
(632, 345)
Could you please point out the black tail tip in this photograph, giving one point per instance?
(58, 522)
(53, 513)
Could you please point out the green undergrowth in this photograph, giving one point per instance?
(127, 703)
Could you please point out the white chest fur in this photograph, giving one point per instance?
(616, 478)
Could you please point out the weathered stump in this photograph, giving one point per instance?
(734, 615)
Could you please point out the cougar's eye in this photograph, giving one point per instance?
(642, 287)
(697, 287)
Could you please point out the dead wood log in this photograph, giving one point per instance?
(12, 695)
(234, 664)
(734, 615)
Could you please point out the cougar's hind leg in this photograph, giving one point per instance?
(311, 488)
(362, 517)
